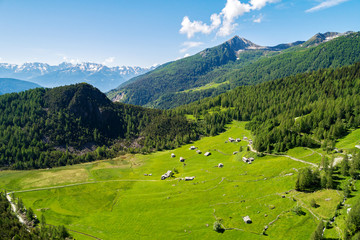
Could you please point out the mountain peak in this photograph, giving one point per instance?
(324, 37)
(239, 43)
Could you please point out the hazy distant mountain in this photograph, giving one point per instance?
(98, 75)
(10, 85)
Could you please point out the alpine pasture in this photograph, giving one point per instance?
(125, 198)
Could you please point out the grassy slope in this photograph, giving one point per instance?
(121, 203)
(350, 140)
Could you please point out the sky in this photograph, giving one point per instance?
(148, 32)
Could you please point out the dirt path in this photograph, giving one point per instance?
(222, 152)
(293, 158)
(83, 183)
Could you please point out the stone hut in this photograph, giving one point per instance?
(247, 219)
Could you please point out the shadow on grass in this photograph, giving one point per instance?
(338, 178)
(350, 196)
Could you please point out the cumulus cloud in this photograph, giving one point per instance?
(232, 10)
(224, 22)
(259, 4)
(325, 4)
(189, 45)
(190, 28)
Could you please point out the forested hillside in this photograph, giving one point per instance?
(304, 110)
(11, 228)
(42, 128)
(188, 79)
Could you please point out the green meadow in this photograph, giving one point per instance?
(113, 199)
(348, 142)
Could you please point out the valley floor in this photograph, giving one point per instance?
(114, 199)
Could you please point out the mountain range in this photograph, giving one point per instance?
(236, 62)
(10, 85)
(98, 75)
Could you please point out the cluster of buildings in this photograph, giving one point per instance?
(248, 160)
(234, 140)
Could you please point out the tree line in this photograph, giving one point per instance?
(310, 109)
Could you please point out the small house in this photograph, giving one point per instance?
(231, 139)
(182, 159)
(220, 165)
(245, 159)
(192, 148)
(198, 151)
(166, 175)
(357, 146)
(250, 142)
(235, 152)
(238, 140)
(207, 154)
(189, 178)
(251, 159)
(245, 138)
(173, 155)
(247, 219)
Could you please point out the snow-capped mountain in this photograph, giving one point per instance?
(98, 75)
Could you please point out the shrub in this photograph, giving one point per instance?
(313, 203)
(298, 210)
(217, 227)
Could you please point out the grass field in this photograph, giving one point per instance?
(350, 140)
(207, 86)
(114, 200)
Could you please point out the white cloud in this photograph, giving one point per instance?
(225, 20)
(190, 28)
(325, 4)
(232, 10)
(108, 60)
(258, 19)
(259, 4)
(189, 45)
(185, 56)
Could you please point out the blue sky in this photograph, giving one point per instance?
(143, 33)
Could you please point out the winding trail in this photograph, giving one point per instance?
(293, 158)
